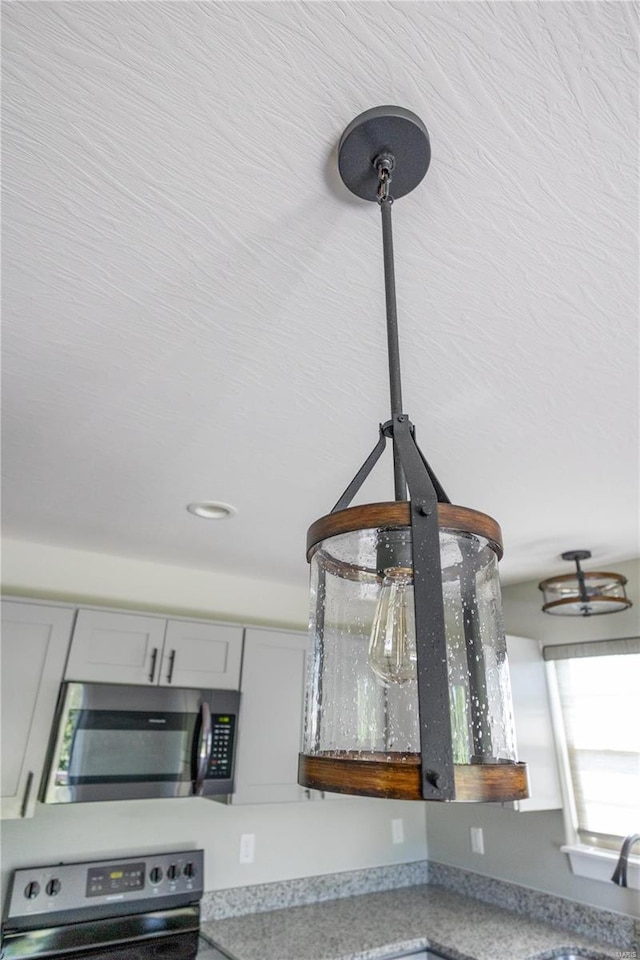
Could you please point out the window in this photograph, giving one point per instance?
(598, 705)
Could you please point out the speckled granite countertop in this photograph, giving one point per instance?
(380, 926)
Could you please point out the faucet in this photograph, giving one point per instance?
(620, 873)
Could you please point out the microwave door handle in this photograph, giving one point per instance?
(204, 748)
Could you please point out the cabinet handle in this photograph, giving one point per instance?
(27, 794)
(154, 657)
(172, 660)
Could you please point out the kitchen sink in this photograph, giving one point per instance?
(206, 951)
(427, 954)
(431, 954)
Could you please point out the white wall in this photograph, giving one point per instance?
(292, 840)
(524, 848)
(57, 573)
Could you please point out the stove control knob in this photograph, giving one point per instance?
(32, 890)
(53, 887)
(155, 875)
(189, 869)
(172, 871)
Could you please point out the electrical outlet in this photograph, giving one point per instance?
(247, 847)
(397, 830)
(477, 839)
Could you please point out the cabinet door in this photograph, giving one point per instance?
(534, 731)
(115, 648)
(35, 640)
(201, 655)
(271, 715)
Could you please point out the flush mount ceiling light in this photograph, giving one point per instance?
(584, 593)
(211, 510)
(409, 687)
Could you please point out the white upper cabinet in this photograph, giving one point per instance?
(114, 647)
(534, 731)
(204, 655)
(110, 647)
(35, 640)
(271, 716)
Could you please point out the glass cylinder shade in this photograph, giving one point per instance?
(603, 593)
(362, 732)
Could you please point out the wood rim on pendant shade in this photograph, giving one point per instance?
(397, 513)
(401, 779)
(596, 598)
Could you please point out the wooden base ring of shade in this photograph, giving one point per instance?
(400, 779)
(555, 606)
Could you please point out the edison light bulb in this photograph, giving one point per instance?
(392, 647)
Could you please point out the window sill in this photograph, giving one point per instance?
(599, 864)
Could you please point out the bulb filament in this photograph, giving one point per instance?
(392, 647)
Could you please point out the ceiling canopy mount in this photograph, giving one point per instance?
(382, 136)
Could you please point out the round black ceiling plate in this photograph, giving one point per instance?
(384, 130)
(576, 555)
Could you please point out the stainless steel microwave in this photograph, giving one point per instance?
(117, 742)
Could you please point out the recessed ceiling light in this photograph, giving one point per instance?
(211, 510)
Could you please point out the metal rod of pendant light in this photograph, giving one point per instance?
(584, 596)
(433, 694)
(384, 166)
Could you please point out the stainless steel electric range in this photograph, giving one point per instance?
(133, 908)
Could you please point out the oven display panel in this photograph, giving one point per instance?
(120, 878)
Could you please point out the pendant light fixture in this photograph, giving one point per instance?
(584, 593)
(408, 692)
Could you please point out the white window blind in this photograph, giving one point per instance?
(599, 689)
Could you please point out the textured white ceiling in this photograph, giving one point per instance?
(193, 303)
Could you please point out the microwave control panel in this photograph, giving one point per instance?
(223, 733)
